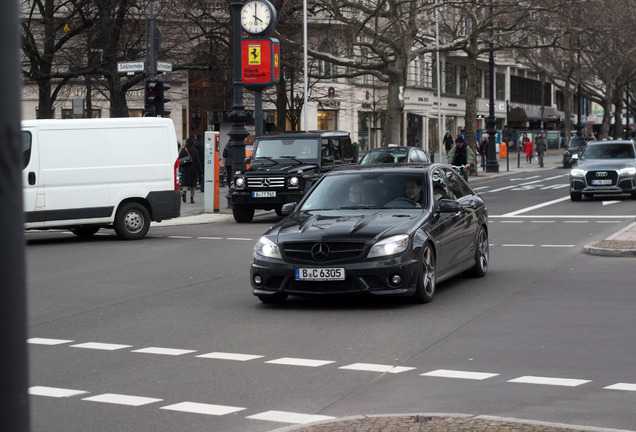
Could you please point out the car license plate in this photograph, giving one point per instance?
(601, 182)
(320, 274)
(266, 194)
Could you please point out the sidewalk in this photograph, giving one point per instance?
(438, 423)
(620, 244)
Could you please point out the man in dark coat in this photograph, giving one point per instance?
(189, 171)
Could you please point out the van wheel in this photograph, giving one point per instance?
(132, 221)
(242, 214)
(85, 231)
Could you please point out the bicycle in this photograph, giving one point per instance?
(462, 170)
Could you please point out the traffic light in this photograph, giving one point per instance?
(155, 98)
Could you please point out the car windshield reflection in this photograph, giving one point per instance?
(609, 151)
(364, 191)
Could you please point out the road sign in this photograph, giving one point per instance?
(164, 67)
(125, 67)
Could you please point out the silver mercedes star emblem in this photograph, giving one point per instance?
(320, 251)
(265, 182)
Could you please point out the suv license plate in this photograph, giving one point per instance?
(320, 274)
(268, 194)
(601, 182)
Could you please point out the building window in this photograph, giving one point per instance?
(462, 80)
(500, 86)
(327, 120)
(450, 77)
(325, 68)
(480, 83)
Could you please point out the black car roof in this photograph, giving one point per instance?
(380, 168)
(304, 134)
(595, 143)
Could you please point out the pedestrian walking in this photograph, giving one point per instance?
(227, 161)
(527, 148)
(483, 151)
(448, 142)
(190, 167)
(540, 147)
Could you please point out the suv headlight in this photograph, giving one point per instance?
(239, 182)
(628, 171)
(267, 248)
(390, 246)
(294, 182)
(577, 172)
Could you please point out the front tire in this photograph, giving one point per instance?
(426, 276)
(242, 214)
(575, 196)
(482, 255)
(132, 221)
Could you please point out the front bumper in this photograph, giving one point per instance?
(622, 185)
(245, 198)
(365, 277)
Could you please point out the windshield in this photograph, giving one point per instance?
(369, 191)
(385, 156)
(298, 148)
(609, 151)
(578, 142)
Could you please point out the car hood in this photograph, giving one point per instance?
(366, 225)
(605, 164)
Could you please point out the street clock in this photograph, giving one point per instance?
(258, 17)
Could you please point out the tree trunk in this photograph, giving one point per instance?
(470, 119)
(394, 106)
(118, 105)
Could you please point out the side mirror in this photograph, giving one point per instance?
(449, 206)
(247, 160)
(575, 157)
(288, 208)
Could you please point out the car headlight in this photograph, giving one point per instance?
(390, 246)
(628, 171)
(294, 181)
(267, 248)
(239, 182)
(577, 172)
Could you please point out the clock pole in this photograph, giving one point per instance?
(238, 116)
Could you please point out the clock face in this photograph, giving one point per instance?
(257, 16)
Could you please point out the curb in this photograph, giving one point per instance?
(614, 246)
(427, 422)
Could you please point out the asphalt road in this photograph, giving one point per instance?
(164, 334)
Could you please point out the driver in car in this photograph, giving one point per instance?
(414, 191)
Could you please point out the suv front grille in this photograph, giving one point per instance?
(329, 252)
(265, 182)
(601, 175)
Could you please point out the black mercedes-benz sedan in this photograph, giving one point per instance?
(379, 230)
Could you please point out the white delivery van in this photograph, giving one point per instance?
(87, 174)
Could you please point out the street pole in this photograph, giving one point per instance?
(238, 116)
(14, 397)
(491, 162)
(540, 151)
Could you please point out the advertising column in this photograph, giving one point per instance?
(211, 172)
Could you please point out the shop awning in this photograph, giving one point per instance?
(534, 114)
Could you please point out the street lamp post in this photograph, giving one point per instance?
(491, 162)
(238, 116)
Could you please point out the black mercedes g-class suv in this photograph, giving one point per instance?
(283, 168)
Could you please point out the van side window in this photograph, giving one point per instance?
(26, 148)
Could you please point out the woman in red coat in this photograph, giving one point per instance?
(527, 148)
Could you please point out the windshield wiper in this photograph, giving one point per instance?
(358, 207)
(292, 158)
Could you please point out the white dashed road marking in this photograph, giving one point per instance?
(101, 346)
(54, 392)
(163, 351)
(229, 356)
(201, 408)
(368, 367)
(622, 386)
(445, 373)
(289, 417)
(44, 341)
(300, 362)
(119, 399)
(549, 381)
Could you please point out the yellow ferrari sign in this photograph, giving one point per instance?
(254, 55)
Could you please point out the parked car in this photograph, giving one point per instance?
(575, 147)
(394, 154)
(383, 240)
(604, 167)
(283, 168)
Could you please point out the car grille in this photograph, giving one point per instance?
(601, 175)
(265, 182)
(317, 252)
(331, 287)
